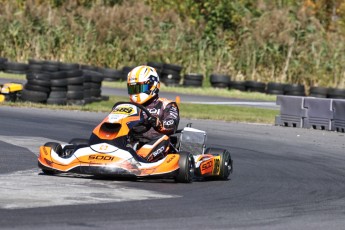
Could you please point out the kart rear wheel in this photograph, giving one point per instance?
(187, 167)
(225, 164)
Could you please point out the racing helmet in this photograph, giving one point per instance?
(142, 84)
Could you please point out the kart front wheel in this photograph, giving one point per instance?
(186, 168)
(225, 164)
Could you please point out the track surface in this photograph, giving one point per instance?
(284, 178)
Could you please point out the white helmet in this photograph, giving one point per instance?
(142, 84)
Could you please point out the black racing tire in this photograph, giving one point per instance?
(58, 88)
(35, 68)
(58, 94)
(254, 86)
(79, 141)
(43, 83)
(33, 96)
(194, 77)
(50, 67)
(69, 66)
(58, 75)
(75, 87)
(225, 164)
(37, 88)
(56, 147)
(75, 95)
(336, 93)
(38, 76)
(75, 80)
(238, 85)
(294, 90)
(15, 67)
(58, 82)
(56, 101)
(110, 74)
(220, 78)
(220, 85)
(186, 168)
(193, 83)
(74, 73)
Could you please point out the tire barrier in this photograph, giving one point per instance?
(170, 74)
(275, 88)
(309, 112)
(15, 67)
(254, 86)
(237, 85)
(2, 63)
(193, 80)
(220, 80)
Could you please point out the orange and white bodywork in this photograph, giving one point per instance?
(106, 159)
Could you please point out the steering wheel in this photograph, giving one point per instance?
(135, 104)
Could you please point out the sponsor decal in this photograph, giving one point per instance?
(216, 168)
(101, 157)
(123, 110)
(158, 151)
(154, 111)
(171, 158)
(168, 122)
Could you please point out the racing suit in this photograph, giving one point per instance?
(154, 142)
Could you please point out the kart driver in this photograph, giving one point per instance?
(143, 88)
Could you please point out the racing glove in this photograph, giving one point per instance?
(154, 122)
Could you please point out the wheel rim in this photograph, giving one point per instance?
(191, 167)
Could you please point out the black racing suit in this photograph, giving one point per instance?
(154, 142)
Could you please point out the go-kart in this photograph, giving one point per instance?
(106, 153)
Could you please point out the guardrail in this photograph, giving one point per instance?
(310, 112)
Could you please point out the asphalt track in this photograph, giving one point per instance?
(284, 178)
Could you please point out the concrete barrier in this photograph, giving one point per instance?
(319, 113)
(339, 115)
(292, 111)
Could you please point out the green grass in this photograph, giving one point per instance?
(190, 111)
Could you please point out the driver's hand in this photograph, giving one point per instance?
(154, 122)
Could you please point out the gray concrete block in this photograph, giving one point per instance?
(319, 113)
(338, 115)
(292, 111)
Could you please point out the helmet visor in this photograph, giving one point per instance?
(138, 88)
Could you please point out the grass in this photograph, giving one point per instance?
(190, 111)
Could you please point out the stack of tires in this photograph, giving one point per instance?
(220, 80)
(37, 87)
(170, 74)
(96, 85)
(111, 74)
(75, 87)
(193, 80)
(15, 67)
(2, 63)
(58, 83)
